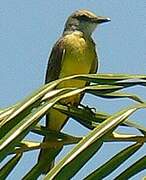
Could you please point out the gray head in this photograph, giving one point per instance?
(84, 21)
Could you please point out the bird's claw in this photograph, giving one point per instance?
(86, 107)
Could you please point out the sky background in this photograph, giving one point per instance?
(28, 30)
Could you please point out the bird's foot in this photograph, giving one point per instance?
(86, 107)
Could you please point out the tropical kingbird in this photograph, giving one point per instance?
(74, 53)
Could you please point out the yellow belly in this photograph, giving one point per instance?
(78, 59)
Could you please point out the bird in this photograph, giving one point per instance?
(73, 53)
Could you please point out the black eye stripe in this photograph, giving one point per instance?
(84, 17)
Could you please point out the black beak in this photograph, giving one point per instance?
(101, 19)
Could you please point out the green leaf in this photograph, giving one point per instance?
(37, 170)
(21, 117)
(120, 95)
(9, 141)
(138, 166)
(4, 114)
(114, 162)
(90, 119)
(86, 148)
(135, 125)
(55, 135)
(73, 166)
(9, 166)
(22, 109)
(114, 78)
(14, 135)
(118, 137)
(26, 145)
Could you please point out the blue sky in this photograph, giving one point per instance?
(28, 30)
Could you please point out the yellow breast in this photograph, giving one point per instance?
(78, 58)
(79, 55)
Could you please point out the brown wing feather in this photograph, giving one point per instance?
(94, 66)
(55, 60)
(52, 73)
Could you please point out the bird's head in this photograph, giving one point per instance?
(84, 21)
